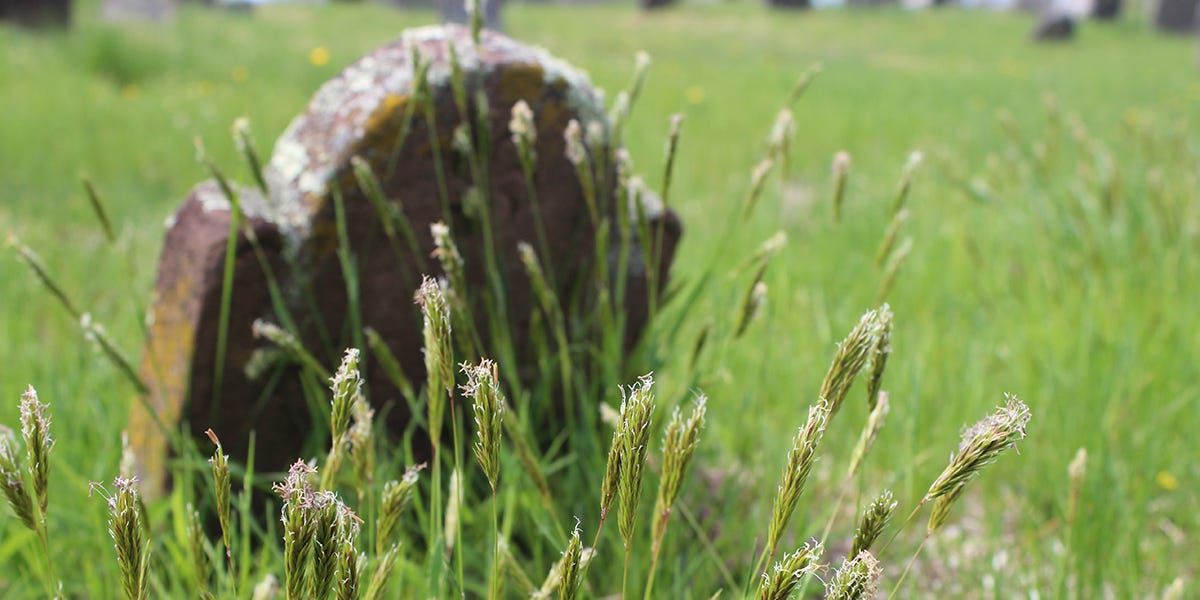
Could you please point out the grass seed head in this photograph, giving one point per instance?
(35, 430)
(879, 353)
(570, 566)
(384, 566)
(488, 407)
(573, 135)
(298, 526)
(521, 126)
(325, 512)
(126, 528)
(849, 360)
(841, 174)
(12, 479)
(346, 575)
(221, 486)
(346, 385)
(800, 461)
(789, 572)
(438, 353)
(396, 495)
(361, 440)
(874, 521)
(679, 446)
(636, 411)
(197, 550)
(870, 432)
(856, 579)
(981, 444)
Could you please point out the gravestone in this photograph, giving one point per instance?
(360, 113)
(1055, 26)
(1177, 16)
(1106, 10)
(790, 4)
(36, 13)
(137, 10)
(656, 4)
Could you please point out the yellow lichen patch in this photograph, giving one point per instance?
(165, 368)
(389, 112)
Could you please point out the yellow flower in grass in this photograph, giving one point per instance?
(319, 56)
(1167, 481)
(131, 91)
(239, 74)
(694, 94)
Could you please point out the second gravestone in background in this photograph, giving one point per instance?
(360, 113)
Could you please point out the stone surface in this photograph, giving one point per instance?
(138, 10)
(1055, 27)
(656, 4)
(1106, 10)
(1177, 16)
(359, 113)
(36, 13)
(790, 4)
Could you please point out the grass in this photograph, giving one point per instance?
(1019, 278)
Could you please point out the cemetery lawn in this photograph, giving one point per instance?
(1068, 277)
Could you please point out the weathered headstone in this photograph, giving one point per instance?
(1055, 26)
(1106, 10)
(36, 13)
(138, 10)
(656, 4)
(790, 4)
(360, 113)
(1177, 16)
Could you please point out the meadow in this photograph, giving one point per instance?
(1053, 225)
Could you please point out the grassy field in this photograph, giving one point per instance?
(1054, 256)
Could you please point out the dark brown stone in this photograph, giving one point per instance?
(1177, 16)
(36, 13)
(359, 113)
(1055, 27)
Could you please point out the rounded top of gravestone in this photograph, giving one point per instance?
(353, 114)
